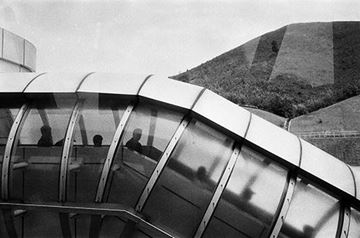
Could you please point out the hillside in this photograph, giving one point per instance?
(291, 71)
(335, 129)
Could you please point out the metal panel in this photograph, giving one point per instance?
(56, 83)
(160, 166)
(126, 84)
(322, 165)
(13, 49)
(223, 112)
(66, 152)
(284, 209)
(8, 152)
(219, 190)
(30, 56)
(111, 153)
(274, 139)
(15, 82)
(170, 91)
(356, 173)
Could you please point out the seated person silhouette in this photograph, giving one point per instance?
(97, 139)
(46, 137)
(134, 143)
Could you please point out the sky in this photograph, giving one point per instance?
(153, 36)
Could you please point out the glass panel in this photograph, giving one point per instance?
(41, 224)
(186, 186)
(354, 230)
(45, 124)
(95, 128)
(145, 138)
(8, 112)
(111, 225)
(312, 213)
(250, 199)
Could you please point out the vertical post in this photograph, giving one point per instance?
(111, 153)
(160, 166)
(65, 156)
(10, 144)
(219, 190)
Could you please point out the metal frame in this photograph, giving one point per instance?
(219, 190)
(111, 153)
(65, 155)
(161, 164)
(95, 209)
(284, 208)
(9, 149)
(345, 223)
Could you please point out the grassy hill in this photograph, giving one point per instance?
(291, 71)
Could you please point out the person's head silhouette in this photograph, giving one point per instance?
(137, 134)
(45, 131)
(97, 139)
(46, 137)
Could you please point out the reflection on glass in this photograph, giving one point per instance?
(312, 213)
(145, 138)
(98, 119)
(354, 229)
(250, 199)
(8, 114)
(7, 117)
(36, 159)
(186, 186)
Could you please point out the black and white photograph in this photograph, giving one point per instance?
(180, 118)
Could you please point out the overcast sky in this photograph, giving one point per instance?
(153, 36)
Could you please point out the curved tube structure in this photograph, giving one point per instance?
(98, 155)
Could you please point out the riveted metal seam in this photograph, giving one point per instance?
(301, 152)
(353, 176)
(285, 208)
(82, 81)
(32, 80)
(8, 151)
(218, 192)
(143, 83)
(161, 165)
(65, 155)
(111, 153)
(346, 223)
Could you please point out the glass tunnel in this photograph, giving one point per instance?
(112, 155)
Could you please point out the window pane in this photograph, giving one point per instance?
(312, 213)
(354, 230)
(145, 138)
(186, 186)
(8, 112)
(45, 124)
(7, 117)
(250, 199)
(97, 123)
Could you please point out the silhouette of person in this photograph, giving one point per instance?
(97, 139)
(46, 137)
(134, 143)
(201, 174)
(201, 178)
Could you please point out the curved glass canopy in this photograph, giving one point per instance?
(101, 154)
